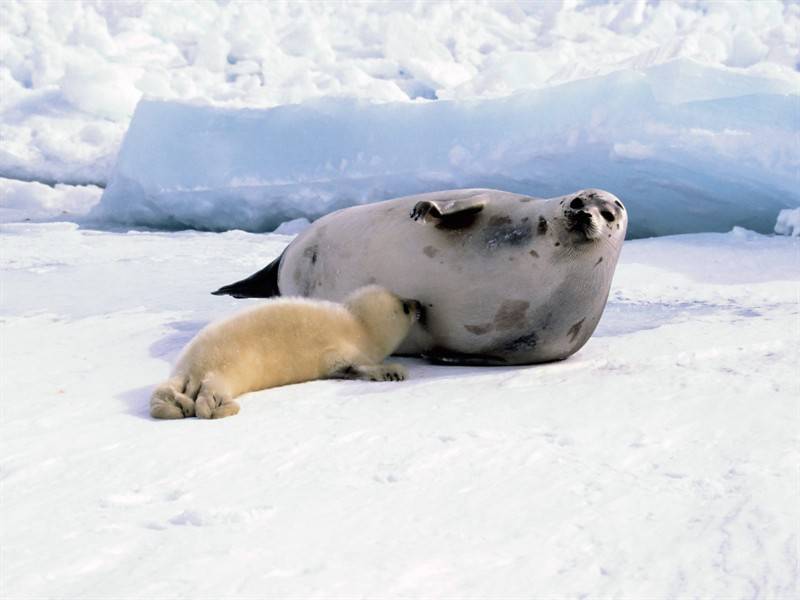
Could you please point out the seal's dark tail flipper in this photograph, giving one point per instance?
(263, 284)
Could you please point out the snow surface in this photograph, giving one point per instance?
(788, 222)
(30, 200)
(680, 166)
(660, 461)
(72, 72)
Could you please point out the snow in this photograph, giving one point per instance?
(72, 72)
(788, 222)
(659, 461)
(293, 227)
(680, 163)
(30, 200)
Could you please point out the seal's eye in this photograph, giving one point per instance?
(405, 308)
(576, 203)
(608, 216)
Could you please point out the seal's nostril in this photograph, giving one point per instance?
(576, 203)
(608, 216)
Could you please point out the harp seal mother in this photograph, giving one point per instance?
(505, 279)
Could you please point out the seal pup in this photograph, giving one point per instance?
(286, 340)
(505, 278)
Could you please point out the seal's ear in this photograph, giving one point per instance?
(450, 214)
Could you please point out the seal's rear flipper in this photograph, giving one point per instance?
(451, 214)
(263, 284)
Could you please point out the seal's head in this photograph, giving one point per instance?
(592, 215)
(387, 315)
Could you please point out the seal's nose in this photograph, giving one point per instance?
(583, 219)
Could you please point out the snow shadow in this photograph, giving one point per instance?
(622, 318)
(137, 401)
(169, 346)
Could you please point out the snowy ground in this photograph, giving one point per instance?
(658, 462)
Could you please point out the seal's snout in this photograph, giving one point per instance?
(582, 222)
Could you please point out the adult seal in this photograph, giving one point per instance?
(505, 279)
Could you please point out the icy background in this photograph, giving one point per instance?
(680, 166)
(660, 461)
(677, 105)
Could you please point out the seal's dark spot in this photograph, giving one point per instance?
(311, 253)
(558, 243)
(525, 199)
(576, 204)
(542, 229)
(499, 220)
(523, 343)
(575, 329)
(511, 314)
(502, 231)
(534, 253)
(479, 329)
(430, 251)
(599, 260)
(307, 287)
(607, 215)
(618, 203)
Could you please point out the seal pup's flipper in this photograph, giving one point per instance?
(263, 284)
(450, 214)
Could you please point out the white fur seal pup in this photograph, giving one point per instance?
(505, 278)
(287, 340)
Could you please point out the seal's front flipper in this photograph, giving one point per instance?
(263, 284)
(451, 214)
(444, 356)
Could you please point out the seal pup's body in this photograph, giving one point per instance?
(505, 278)
(286, 340)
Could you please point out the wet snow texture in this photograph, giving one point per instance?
(660, 461)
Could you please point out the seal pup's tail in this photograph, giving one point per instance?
(263, 284)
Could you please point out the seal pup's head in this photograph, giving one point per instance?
(592, 215)
(386, 316)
